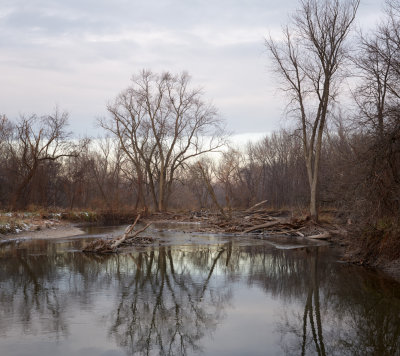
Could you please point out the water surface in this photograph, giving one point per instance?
(192, 294)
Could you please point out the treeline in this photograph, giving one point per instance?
(160, 131)
(358, 174)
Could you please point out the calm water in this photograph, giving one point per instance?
(192, 295)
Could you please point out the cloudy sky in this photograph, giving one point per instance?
(79, 54)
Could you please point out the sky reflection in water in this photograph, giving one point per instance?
(213, 299)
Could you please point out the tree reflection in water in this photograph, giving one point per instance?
(343, 313)
(167, 307)
(170, 300)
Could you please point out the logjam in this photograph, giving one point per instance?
(258, 219)
(130, 237)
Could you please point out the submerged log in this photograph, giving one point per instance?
(110, 246)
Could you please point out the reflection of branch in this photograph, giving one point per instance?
(229, 253)
(308, 310)
(171, 319)
(316, 301)
(314, 334)
(32, 276)
(158, 302)
(211, 272)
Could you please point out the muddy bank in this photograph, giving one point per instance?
(358, 249)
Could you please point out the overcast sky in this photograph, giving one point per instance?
(79, 54)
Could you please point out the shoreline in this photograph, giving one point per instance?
(51, 232)
(344, 243)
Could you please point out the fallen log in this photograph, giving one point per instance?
(110, 246)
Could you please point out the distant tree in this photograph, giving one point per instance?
(5, 129)
(308, 60)
(161, 123)
(38, 140)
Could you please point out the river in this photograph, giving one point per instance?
(192, 294)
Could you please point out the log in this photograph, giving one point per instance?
(264, 226)
(110, 246)
(128, 230)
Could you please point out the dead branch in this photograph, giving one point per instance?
(128, 230)
(265, 226)
(110, 246)
(256, 205)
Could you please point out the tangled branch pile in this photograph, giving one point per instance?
(259, 220)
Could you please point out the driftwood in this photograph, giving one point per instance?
(257, 205)
(110, 246)
(265, 226)
(269, 222)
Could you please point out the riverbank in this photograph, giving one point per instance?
(41, 223)
(374, 250)
(257, 223)
(53, 232)
(45, 230)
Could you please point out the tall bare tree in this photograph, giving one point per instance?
(308, 60)
(161, 123)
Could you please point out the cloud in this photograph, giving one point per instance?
(81, 53)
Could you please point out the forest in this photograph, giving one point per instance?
(164, 147)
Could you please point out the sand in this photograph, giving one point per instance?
(52, 232)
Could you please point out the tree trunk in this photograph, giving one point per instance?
(21, 187)
(313, 201)
(211, 191)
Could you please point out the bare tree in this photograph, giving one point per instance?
(376, 63)
(378, 99)
(205, 169)
(161, 123)
(228, 175)
(308, 60)
(5, 129)
(38, 140)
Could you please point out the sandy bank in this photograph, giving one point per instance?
(52, 232)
